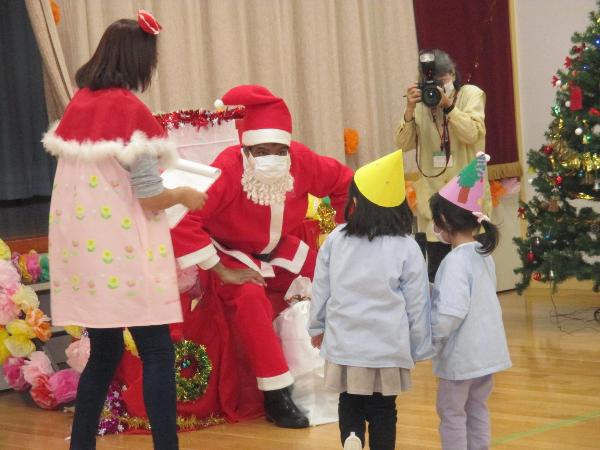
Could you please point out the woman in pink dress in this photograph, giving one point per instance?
(111, 256)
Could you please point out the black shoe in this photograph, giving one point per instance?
(281, 410)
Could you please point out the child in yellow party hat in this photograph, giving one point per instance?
(370, 306)
(466, 318)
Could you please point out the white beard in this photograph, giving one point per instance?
(263, 193)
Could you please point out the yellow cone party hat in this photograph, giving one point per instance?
(382, 181)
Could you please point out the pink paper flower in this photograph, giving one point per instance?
(13, 373)
(78, 353)
(63, 385)
(37, 365)
(42, 394)
(9, 310)
(9, 277)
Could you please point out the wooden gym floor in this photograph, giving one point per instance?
(550, 399)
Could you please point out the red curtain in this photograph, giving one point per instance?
(476, 34)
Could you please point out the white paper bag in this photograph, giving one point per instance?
(306, 366)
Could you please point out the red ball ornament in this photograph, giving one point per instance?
(536, 276)
(558, 180)
(530, 257)
(594, 112)
(548, 149)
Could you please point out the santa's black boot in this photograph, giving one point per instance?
(282, 411)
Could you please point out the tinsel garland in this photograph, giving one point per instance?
(198, 117)
(115, 418)
(183, 423)
(189, 355)
(326, 217)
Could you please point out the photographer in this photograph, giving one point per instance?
(444, 123)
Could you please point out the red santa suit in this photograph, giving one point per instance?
(239, 233)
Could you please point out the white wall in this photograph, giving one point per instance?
(543, 30)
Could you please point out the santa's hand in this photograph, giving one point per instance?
(238, 276)
(316, 341)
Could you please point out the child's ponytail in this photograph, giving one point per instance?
(489, 239)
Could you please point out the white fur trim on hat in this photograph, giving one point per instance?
(266, 136)
(139, 144)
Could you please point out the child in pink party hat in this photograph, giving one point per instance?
(466, 319)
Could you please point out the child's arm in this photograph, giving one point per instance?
(321, 291)
(153, 196)
(451, 301)
(188, 197)
(415, 288)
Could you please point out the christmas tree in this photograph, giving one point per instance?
(562, 238)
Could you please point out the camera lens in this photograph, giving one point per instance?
(431, 96)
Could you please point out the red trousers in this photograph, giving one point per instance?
(252, 309)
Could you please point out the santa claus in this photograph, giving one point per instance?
(245, 233)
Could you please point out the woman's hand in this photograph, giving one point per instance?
(413, 96)
(238, 276)
(316, 341)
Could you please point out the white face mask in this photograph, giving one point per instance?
(271, 168)
(438, 234)
(266, 179)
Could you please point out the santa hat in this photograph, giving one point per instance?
(466, 189)
(382, 181)
(267, 118)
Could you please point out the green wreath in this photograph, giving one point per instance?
(188, 353)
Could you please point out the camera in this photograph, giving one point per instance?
(430, 94)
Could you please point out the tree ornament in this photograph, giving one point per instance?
(586, 139)
(576, 98)
(521, 213)
(594, 112)
(578, 131)
(530, 257)
(536, 276)
(558, 180)
(548, 149)
(568, 62)
(551, 274)
(568, 104)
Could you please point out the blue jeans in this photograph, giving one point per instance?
(158, 359)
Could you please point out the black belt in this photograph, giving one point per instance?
(265, 257)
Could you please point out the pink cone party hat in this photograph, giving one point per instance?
(466, 189)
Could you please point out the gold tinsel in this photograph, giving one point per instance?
(326, 217)
(183, 423)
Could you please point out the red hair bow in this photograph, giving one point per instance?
(148, 23)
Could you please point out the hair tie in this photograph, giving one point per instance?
(148, 23)
(481, 217)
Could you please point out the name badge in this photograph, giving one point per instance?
(439, 160)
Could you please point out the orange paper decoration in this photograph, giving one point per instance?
(55, 11)
(351, 141)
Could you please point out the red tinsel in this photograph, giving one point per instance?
(594, 112)
(198, 117)
(576, 98)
